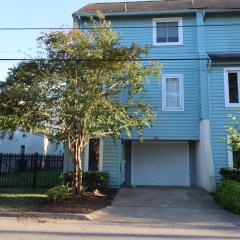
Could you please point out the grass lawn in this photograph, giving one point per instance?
(21, 199)
(44, 178)
(24, 200)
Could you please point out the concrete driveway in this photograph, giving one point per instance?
(181, 206)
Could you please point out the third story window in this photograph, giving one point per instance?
(167, 31)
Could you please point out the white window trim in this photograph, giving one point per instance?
(164, 107)
(86, 156)
(226, 86)
(180, 31)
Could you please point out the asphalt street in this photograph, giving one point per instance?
(46, 229)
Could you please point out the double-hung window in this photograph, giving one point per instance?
(172, 93)
(232, 87)
(167, 31)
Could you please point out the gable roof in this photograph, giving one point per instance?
(159, 5)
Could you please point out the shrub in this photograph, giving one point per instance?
(95, 180)
(228, 194)
(91, 180)
(59, 193)
(230, 173)
(66, 178)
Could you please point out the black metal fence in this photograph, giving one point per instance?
(30, 170)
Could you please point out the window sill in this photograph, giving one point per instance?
(172, 110)
(232, 105)
(167, 44)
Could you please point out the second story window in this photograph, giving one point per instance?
(232, 87)
(172, 93)
(167, 31)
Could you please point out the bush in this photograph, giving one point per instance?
(95, 180)
(91, 180)
(230, 174)
(228, 194)
(66, 179)
(59, 193)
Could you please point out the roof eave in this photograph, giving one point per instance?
(113, 14)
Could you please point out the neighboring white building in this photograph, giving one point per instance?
(22, 142)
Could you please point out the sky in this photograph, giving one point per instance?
(29, 13)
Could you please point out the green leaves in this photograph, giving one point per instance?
(233, 133)
(87, 86)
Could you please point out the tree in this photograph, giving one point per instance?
(71, 92)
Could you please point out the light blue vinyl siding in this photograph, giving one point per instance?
(222, 38)
(219, 118)
(111, 160)
(170, 125)
(183, 125)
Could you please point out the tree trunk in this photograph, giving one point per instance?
(77, 172)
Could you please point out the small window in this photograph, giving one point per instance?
(167, 31)
(172, 93)
(93, 158)
(22, 151)
(234, 159)
(93, 155)
(232, 87)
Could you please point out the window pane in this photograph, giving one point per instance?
(93, 161)
(233, 88)
(172, 93)
(236, 159)
(161, 32)
(173, 32)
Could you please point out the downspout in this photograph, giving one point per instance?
(205, 164)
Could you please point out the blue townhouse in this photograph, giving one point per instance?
(199, 44)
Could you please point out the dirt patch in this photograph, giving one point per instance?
(87, 203)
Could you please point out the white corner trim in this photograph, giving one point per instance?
(101, 155)
(181, 81)
(86, 156)
(230, 158)
(180, 31)
(226, 86)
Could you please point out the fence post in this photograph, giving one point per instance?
(35, 163)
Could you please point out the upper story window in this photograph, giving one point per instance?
(167, 31)
(172, 93)
(232, 87)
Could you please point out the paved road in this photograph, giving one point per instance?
(40, 229)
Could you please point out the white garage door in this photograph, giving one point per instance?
(160, 163)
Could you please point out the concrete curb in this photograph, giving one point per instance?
(47, 215)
